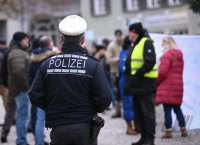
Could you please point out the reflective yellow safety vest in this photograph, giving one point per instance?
(137, 60)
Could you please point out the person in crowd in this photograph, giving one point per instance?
(18, 68)
(170, 85)
(3, 87)
(112, 58)
(105, 42)
(9, 117)
(37, 56)
(141, 82)
(53, 47)
(31, 127)
(128, 113)
(101, 57)
(71, 88)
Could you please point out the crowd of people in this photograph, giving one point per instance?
(18, 69)
(124, 69)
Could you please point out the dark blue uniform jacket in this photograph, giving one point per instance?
(70, 87)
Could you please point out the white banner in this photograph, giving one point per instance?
(190, 46)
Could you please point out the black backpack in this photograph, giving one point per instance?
(4, 69)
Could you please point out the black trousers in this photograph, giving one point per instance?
(115, 82)
(76, 134)
(118, 95)
(144, 110)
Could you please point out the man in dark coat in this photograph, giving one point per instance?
(141, 82)
(37, 114)
(18, 68)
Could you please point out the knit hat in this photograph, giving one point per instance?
(137, 28)
(99, 47)
(118, 32)
(19, 36)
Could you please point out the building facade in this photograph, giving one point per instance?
(157, 16)
(41, 17)
(36, 17)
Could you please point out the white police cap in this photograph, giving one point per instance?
(73, 25)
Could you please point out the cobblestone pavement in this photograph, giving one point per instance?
(113, 133)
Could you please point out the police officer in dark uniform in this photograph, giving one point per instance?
(71, 88)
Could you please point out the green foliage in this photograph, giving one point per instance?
(194, 5)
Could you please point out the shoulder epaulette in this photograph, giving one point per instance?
(91, 57)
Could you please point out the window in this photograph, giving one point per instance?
(44, 26)
(180, 32)
(131, 5)
(153, 4)
(174, 2)
(100, 7)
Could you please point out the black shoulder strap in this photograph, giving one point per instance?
(128, 62)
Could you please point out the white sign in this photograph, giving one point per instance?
(166, 19)
(191, 52)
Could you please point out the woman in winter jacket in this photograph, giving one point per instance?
(127, 101)
(170, 85)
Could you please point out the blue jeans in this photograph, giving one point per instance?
(168, 116)
(23, 114)
(39, 127)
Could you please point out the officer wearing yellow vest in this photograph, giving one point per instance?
(141, 75)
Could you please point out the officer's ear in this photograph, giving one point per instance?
(82, 40)
(61, 39)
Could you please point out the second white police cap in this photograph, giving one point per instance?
(73, 25)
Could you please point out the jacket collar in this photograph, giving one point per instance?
(17, 45)
(138, 40)
(72, 48)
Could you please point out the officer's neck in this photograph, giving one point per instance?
(72, 47)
